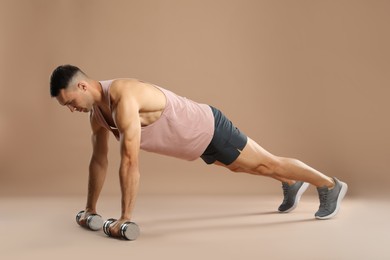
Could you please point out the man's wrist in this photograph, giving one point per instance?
(91, 210)
(125, 216)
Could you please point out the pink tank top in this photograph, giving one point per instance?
(184, 129)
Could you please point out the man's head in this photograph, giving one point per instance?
(72, 88)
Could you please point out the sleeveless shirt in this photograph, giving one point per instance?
(184, 129)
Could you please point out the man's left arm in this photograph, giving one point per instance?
(126, 116)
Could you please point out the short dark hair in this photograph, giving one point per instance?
(61, 77)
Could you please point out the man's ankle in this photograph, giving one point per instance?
(332, 184)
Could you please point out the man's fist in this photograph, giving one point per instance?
(89, 220)
(121, 229)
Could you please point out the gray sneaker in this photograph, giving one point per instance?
(330, 200)
(292, 194)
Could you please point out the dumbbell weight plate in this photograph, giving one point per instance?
(130, 231)
(78, 216)
(94, 222)
(106, 226)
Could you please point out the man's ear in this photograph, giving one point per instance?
(82, 85)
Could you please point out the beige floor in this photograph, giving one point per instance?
(196, 227)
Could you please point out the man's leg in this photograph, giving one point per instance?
(256, 160)
(235, 168)
(292, 190)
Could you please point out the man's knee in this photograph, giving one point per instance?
(235, 168)
(270, 167)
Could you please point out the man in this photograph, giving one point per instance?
(145, 116)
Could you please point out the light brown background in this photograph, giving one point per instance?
(306, 79)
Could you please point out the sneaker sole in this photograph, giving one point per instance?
(343, 191)
(301, 190)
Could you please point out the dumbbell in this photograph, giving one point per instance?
(94, 221)
(129, 230)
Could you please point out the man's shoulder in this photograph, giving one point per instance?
(131, 88)
(125, 82)
(124, 85)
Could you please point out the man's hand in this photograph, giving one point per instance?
(83, 217)
(89, 219)
(122, 228)
(116, 226)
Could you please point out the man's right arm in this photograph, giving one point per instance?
(98, 164)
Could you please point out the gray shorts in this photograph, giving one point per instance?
(227, 143)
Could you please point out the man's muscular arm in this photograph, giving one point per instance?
(98, 164)
(126, 116)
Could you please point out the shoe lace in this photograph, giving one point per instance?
(285, 188)
(323, 198)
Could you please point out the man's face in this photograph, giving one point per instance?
(76, 98)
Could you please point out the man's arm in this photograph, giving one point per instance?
(98, 164)
(126, 116)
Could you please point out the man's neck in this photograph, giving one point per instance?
(98, 93)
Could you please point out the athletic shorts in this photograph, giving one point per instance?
(227, 143)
